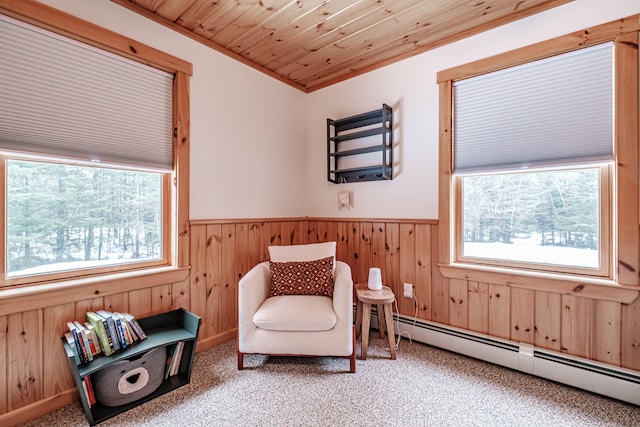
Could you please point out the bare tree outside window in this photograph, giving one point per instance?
(548, 217)
(64, 217)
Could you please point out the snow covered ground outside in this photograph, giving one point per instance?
(72, 266)
(530, 250)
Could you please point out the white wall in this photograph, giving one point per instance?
(247, 129)
(259, 146)
(410, 88)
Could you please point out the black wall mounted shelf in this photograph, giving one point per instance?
(351, 140)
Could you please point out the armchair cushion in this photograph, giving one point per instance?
(296, 313)
(302, 278)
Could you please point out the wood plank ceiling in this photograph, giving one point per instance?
(311, 44)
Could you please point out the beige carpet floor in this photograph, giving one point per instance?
(425, 386)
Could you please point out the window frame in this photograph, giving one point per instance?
(163, 261)
(175, 184)
(624, 246)
(604, 229)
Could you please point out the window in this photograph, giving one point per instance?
(89, 175)
(70, 217)
(533, 164)
(537, 219)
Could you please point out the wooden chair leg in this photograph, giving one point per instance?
(240, 361)
(388, 314)
(358, 317)
(380, 320)
(352, 359)
(366, 318)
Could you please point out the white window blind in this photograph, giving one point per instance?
(63, 98)
(557, 110)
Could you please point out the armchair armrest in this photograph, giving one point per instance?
(343, 293)
(253, 290)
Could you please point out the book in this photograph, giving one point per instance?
(84, 339)
(132, 334)
(129, 334)
(111, 327)
(72, 343)
(85, 391)
(94, 341)
(87, 385)
(120, 330)
(174, 355)
(78, 343)
(177, 357)
(170, 352)
(100, 326)
(135, 326)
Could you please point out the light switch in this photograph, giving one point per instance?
(344, 201)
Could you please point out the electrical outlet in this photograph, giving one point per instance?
(408, 290)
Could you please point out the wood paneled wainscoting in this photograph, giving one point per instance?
(223, 251)
(587, 320)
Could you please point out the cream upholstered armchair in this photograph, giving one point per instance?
(300, 303)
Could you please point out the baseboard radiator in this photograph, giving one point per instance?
(618, 383)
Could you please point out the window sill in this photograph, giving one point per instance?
(15, 300)
(587, 287)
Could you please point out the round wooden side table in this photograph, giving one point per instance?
(383, 299)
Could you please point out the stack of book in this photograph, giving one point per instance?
(87, 388)
(173, 359)
(104, 332)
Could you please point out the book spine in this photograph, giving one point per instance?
(107, 334)
(177, 358)
(85, 391)
(135, 326)
(170, 354)
(84, 339)
(107, 346)
(72, 344)
(139, 329)
(120, 331)
(76, 344)
(112, 331)
(88, 386)
(77, 336)
(128, 332)
(100, 327)
(90, 342)
(95, 340)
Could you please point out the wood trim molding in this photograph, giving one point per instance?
(383, 220)
(59, 22)
(16, 300)
(244, 220)
(598, 289)
(576, 40)
(307, 218)
(39, 408)
(182, 143)
(627, 159)
(210, 342)
(445, 177)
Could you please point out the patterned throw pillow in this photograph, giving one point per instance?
(302, 278)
